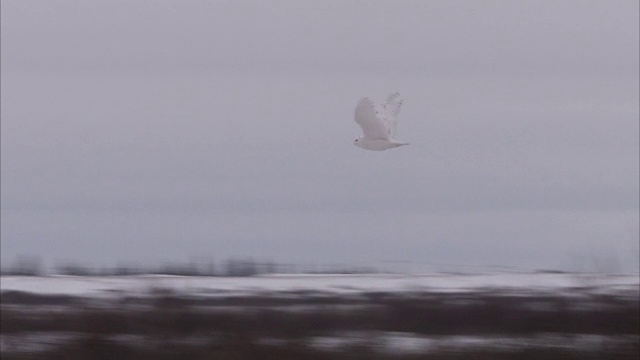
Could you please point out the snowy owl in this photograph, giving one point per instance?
(379, 126)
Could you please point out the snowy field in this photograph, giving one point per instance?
(330, 284)
(368, 316)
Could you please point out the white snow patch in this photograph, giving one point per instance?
(331, 284)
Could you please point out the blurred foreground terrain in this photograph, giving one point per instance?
(378, 316)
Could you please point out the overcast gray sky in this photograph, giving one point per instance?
(151, 131)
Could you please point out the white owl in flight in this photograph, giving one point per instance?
(378, 125)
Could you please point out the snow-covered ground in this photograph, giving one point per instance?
(384, 342)
(34, 327)
(402, 343)
(331, 284)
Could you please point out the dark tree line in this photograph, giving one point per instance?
(242, 267)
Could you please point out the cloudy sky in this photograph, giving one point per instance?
(152, 131)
